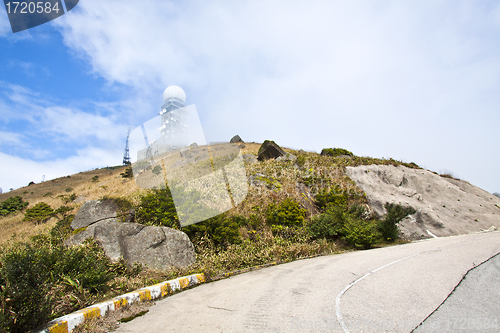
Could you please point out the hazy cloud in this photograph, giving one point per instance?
(417, 80)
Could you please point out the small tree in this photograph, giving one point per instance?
(128, 173)
(389, 225)
(39, 213)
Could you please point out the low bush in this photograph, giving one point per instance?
(12, 205)
(332, 196)
(62, 229)
(157, 208)
(335, 152)
(31, 276)
(389, 225)
(128, 173)
(156, 170)
(329, 224)
(360, 233)
(39, 213)
(221, 230)
(287, 213)
(301, 160)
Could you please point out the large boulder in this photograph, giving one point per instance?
(236, 139)
(94, 211)
(156, 247)
(268, 150)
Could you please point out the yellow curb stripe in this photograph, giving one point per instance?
(61, 327)
(67, 323)
(89, 313)
(166, 289)
(119, 303)
(184, 282)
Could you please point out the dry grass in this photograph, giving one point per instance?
(109, 183)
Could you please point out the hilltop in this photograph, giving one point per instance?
(308, 205)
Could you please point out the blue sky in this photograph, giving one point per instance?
(415, 80)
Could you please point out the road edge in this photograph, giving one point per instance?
(67, 323)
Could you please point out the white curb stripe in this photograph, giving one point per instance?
(67, 323)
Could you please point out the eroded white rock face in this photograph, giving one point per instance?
(444, 206)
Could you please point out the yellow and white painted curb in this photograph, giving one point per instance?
(68, 322)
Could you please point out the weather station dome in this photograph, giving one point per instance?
(174, 92)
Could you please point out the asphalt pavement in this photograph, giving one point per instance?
(391, 289)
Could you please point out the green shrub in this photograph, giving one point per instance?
(287, 213)
(329, 224)
(62, 229)
(156, 170)
(334, 196)
(157, 208)
(335, 152)
(220, 229)
(359, 233)
(389, 225)
(95, 179)
(12, 205)
(30, 274)
(128, 173)
(39, 213)
(301, 160)
(69, 189)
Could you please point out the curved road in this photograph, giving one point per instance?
(391, 289)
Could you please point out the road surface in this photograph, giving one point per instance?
(391, 289)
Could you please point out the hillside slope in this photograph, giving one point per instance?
(445, 206)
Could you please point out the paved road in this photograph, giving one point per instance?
(474, 304)
(391, 289)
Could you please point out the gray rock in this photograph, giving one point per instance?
(269, 150)
(185, 151)
(94, 211)
(287, 157)
(249, 158)
(156, 247)
(236, 139)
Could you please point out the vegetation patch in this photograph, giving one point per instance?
(334, 152)
(39, 213)
(389, 225)
(12, 205)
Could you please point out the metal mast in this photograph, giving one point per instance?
(126, 155)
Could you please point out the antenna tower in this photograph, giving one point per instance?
(126, 155)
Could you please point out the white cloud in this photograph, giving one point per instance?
(11, 138)
(18, 172)
(412, 80)
(60, 123)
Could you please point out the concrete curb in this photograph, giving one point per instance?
(68, 322)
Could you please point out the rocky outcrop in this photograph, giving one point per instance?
(445, 206)
(268, 150)
(236, 139)
(156, 247)
(94, 211)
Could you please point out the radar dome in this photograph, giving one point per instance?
(174, 92)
